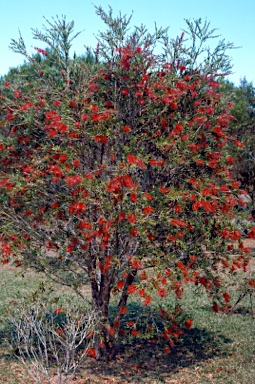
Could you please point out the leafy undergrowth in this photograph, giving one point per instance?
(219, 348)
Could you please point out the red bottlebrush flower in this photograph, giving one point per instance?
(62, 158)
(77, 208)
(114, 185)
(164, 123)
(135, 332)
(235, 184)
(54, 205)
(132, 218)
(52, 133)
(147, 300)
(84, 225)
(72, 180)
(164, 190)
(167, 350)
(177, 208)
(125, 92)
(206, 192)
(84, 117)
(42, 51)
(141, 292)
(188, 323)
(134, 232)
(226, 297)
(193, 258)
(147, 196)
(215, 307)
(60, 331)
(239, 144)
(90, 335)
(9, 117)
(131, 324)
(136, 264)
(178, 129)
(143, 275)
(25, 106)
(148, 210)
(102, 139)
(123, 310)
(122, 216)
(131, 289)
(230, 160)
(179, 223)
(224, 188)
(182, 267)
(18, 263)
(5, 248)
(128, 182)
(116, 324)
(157, 163)
(27, 213)
(126, 128)
(58, 311)
(225, 263)
(72, 104)
(91, 352)
(218, 131)
(133, 197)
(135, 160)
(163, 313)
(200, 162)
(182, 68)
(120, 284)
(108, 104)
(41, 73)
(251, 283)
(139, 93)
(251, 234)
(162, 292)
(77, 124)
(76, 162)
(62, 127)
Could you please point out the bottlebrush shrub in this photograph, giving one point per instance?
(123, 180)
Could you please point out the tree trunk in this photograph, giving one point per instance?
(106, 336)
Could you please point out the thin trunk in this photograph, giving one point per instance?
(105, 337)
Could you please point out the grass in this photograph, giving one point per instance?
(219, 348)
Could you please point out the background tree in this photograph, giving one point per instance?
(120, 176)
(243, 98)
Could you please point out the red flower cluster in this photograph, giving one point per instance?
(42, 51)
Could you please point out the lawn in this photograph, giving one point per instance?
(219, 348)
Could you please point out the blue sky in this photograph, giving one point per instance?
(235, 20)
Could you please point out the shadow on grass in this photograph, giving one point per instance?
(145, 362)
(244, 310)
